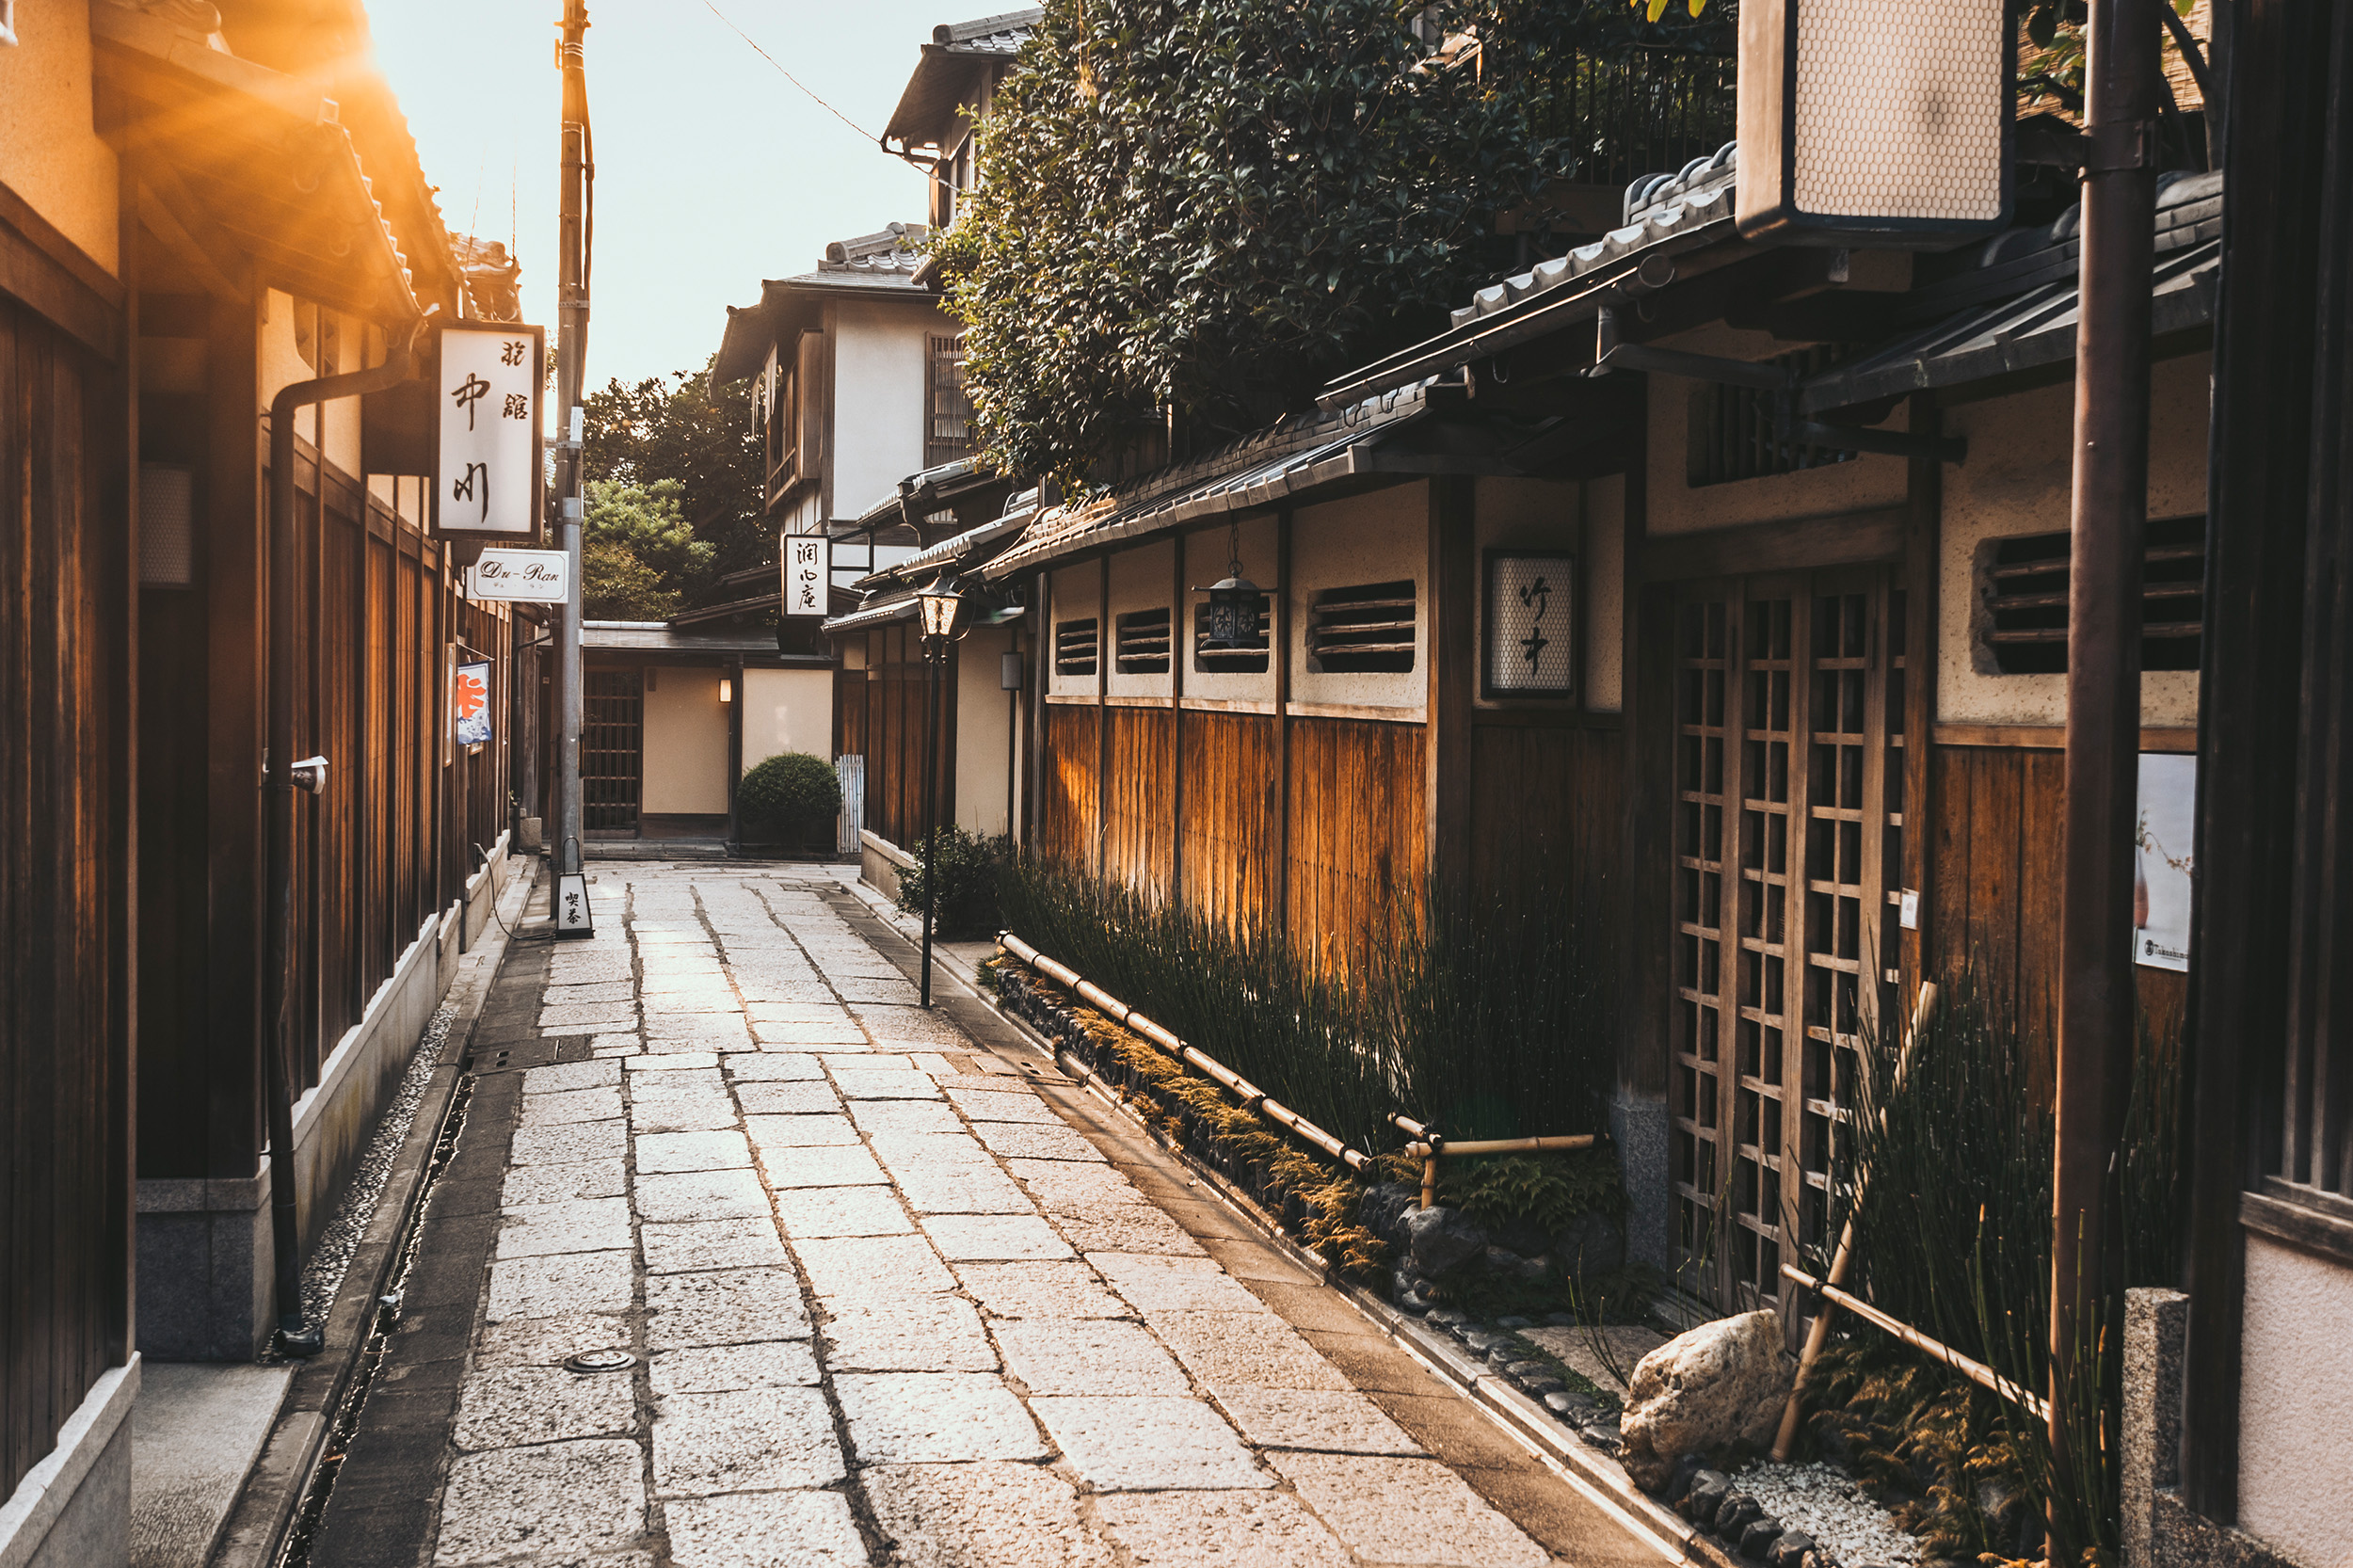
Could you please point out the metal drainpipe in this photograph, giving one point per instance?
(295, 1336)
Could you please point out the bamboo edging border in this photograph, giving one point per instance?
(1429, 1145)
(1253, 1098)
(1975, 1371)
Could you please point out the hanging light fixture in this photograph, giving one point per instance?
(1235, 605)
(944, 610)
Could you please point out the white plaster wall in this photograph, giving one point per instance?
(984, 732)
(2016, 481)
(50, 151)
(1378, 538)
(1531, 513)
(2296, 1403)
(334, 427)
(1074, 593)
(878, 369)
(1209, 556)
(785, 710)
(1863, 482)
(685, 741)
(1141, 579)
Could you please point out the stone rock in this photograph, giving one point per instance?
(1734, 1516)
(1721, 1382)
(1505, 1264)
(1758, 1535)
(1441, 1240)
(1520, 1372)
(1513, 1323)
(1448, 1317)
(1416, 1300)
(1485, 1339)
(1520, 1236)
(1687, 1469)
(1541, 1384)
(1590, 1244)
(1790, 1550)
(1383, 1209)
(1565, 1403)
(1709, 1488)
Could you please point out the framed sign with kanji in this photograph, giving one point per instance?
(1531, 625)
(487, 480)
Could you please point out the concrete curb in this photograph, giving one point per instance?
(281, 1477)
(1601, 1480)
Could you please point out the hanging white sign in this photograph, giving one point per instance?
(487, 481)
(2164, 873)
(534, 576)
(807, 571)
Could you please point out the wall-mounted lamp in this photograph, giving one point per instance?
(726, 690)
(1009, 672)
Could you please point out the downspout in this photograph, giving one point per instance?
(281, 776)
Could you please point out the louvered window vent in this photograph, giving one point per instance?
(1076, 645)
(1143, 647)
(2026, 593)
(1362, 631)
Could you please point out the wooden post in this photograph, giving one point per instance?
(1279, 653)
(1923, 539)
(1103, 645)
(1446, 699)
(1179, 653)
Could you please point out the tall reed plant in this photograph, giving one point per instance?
(1492, 1019)
(1949, 1175)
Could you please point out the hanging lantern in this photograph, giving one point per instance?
(1230, 623)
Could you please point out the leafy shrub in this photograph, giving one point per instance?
(969, 868)
(789, 795)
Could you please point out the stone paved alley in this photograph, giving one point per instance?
(899, 1291)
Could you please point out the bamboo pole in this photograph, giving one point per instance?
(1975, 1371)
(1842, 1260)
(1253, 1098)
(1429, 1144)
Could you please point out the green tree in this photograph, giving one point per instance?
(638, 551)
(1215, 204)
(681, 430)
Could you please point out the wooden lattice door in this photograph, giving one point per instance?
(612, 741)
(1790, 810)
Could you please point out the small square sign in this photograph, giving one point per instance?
(808, 572)
(471, 703)
(1531, 627)
(487, 480)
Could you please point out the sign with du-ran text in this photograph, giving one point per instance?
(487, 479)
(535, 576)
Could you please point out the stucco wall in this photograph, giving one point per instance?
(785, 710)
(2017, 481)
(1209, 556)
(1376, 537)
(282, 365)
(50, 151)
(1863, 482)
(878, 374)
(983, 731)
(2296, 1403)
(1140, 581)
(1076, 593)
(685, 741)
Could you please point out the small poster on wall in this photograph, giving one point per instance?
(2163, 873)
(471, 703)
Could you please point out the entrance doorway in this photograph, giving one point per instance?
(611, 751)
(1789, 811)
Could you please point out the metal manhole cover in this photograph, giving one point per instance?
(599, 1361)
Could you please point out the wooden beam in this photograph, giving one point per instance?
(1924, 502)
(2049, 737)
(1450, 684)
(177, 219)
(1102, 714)
(1856, 538)
(1278, 871)
(1179, 654)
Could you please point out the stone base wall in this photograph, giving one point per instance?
(73, 1509)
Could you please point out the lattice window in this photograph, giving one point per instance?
(1232, 660)
(946, 406)
(1733, 431)
(1362, 629)
(611, 745)
(1143, 645)
(1788, 721)
(1076, 645)
(2025, 588)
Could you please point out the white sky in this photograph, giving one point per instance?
(712, 171)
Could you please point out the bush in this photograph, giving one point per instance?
(970, 867)
(790, 796)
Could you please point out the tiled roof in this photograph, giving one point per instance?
(945, 74)
(988, 35)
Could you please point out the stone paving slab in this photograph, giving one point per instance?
(903, 1296)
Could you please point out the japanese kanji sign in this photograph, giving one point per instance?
(470, 702)
(1531, 637)
(487, 483)
(807, 571)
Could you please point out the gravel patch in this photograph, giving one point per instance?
(325, 1274)
(1825, 1502)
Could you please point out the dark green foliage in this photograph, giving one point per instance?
(789, 797)
(681, 430)
(1955, 1226)
(1548, 1190)
(1216, 204)
(970, 866)
(1497, 1022)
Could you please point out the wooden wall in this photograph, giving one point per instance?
(1545, 804)
(1139, 799)
(1998, 818)
(1357, 860)
(1228, 824)
(63, 1186)
(891, 732)
(1068, 785)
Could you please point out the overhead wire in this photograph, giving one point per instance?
(786, 74)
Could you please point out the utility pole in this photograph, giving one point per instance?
(2110, 510)
(573, 229)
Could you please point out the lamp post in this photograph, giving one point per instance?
(943, 609)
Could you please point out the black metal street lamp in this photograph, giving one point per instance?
(944, 611)
(1235, 605)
